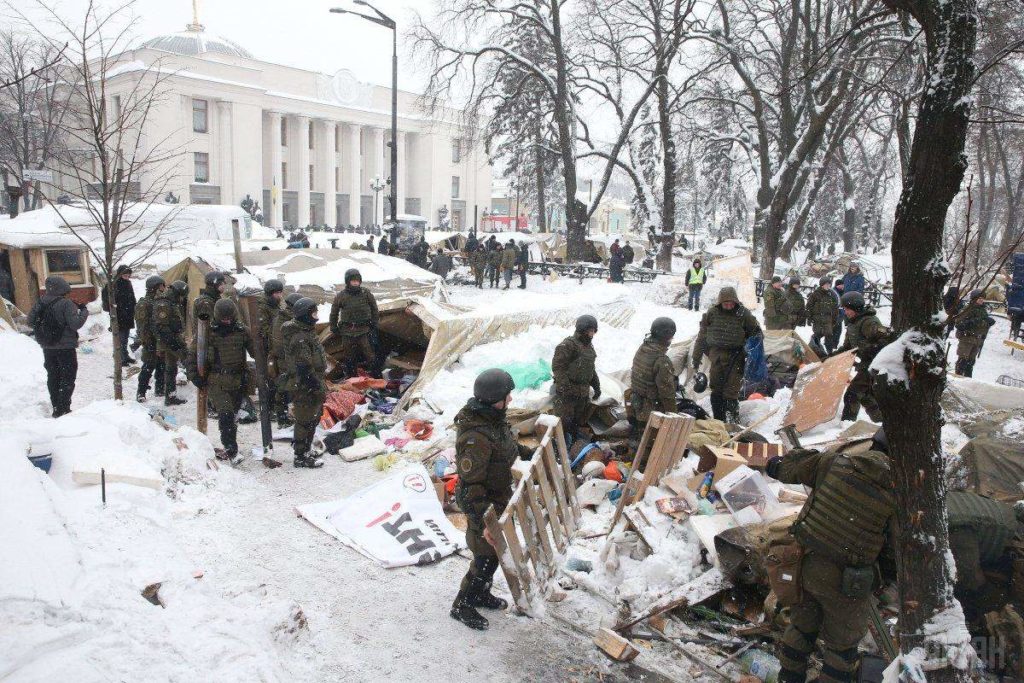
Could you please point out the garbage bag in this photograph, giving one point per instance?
(756, 369)
(529, 375)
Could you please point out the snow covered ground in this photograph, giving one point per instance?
(249, 590)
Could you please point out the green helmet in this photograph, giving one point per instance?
(292, 299)
(273, 286)
(663, 328)
(225, 309)
(492, 386)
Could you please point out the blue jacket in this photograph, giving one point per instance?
(853, 283)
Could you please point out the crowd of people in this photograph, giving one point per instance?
(496, 262)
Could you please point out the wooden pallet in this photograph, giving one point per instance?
(540, 520)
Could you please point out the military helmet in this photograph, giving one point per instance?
(586, 322)
(214, 278)
(824, 280)
(273, 286)
(492, 386)
(776, 278)
(180, 287)
(700, 383)
(663, 328)
(224, 308)
(291, 299)
(794, 280)
(304, 308)
(976, 294)
(153, 282)
(853, 301)
(352, 274)
(727, 294)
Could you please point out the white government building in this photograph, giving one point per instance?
(306, 145)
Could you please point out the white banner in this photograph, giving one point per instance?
(398, 521)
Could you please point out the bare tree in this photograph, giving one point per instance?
(910, 374)
(112, 171)
(31, 108)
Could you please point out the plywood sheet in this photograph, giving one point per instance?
(818, 392)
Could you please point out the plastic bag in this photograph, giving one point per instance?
(529, 375)
(756, 369)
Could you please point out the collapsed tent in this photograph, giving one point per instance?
(992, 466)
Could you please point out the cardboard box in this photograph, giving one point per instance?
(758, 454)
(725, 460)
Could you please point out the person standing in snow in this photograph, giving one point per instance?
(269, 309)
(522, 263)
(615, 266)
(574, 370)
(627, 253)
(853, 281)
(56, 320)
(653, 378)
(169, 329)
(972, 326)
(383, 246)
(696, 278)
(441, 263)
(124, 300)
(842, 529)
(202, 307)
(308, 363)
(227, 376)
(774, 300)
(478, 262)
(485, 450)
(494, 264)
(354, 316)
(616, 248)
(145, 337)
(794, 306)
(278, 362)
(823, 312)
(724, 331)
(508, 263)
(865, 334)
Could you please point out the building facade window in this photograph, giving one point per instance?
(117, 107)
(311, 135)
(456, 153)
(200, 116)
(284, 175)
(311, 178)
(284, 132)
(202, 166)
(455, 187)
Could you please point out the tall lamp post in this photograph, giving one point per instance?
(387, 22)
(376, 186)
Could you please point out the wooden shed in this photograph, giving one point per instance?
(30, 255)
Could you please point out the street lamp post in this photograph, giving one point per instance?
(376, 186)
(387, 22)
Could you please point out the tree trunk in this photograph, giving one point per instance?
(539, 163)
(575, 219)
(115, 334)
(669, 171)
(909, 395)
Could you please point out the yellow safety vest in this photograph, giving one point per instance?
(696, 277)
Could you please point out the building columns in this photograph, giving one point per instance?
(302, 140)
(355, 185)
(276, 209)
(403, 176)
(330, 190)
(377, 170)
(227, 176)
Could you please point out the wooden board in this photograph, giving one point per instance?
(818, 392)
(706, 585)
(117, 470)
(615, 646)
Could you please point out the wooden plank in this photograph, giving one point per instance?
(530, 540)
(703, 587)
(504, 559)
(515, 549)
(542, 527)
(550, 504)
(643, 526)
(562, 504)
(646, 439)
(661, 454)
(563, 452)
(615, 646)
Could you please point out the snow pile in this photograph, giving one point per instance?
(22, 377)
(947, 644)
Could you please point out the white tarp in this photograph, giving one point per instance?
(398, 521)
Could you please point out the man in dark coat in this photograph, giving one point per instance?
(169, 329)
(441, 263)
(354, 316)
(972, 327)
(306, 385)
(853, 281)
(628, 254)
(866, 334)
(574, 370)
(724, 331)
(522, 263)
(653, 378)
(56, 320)
(485, 450)
(823, 314)
(145, 337)
(615, 266)
(383, 246)
(124, 300)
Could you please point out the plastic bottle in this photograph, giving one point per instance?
(705, 507)
(762, 665)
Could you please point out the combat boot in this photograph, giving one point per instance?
(308, 459)
(466, 613)
(283, 420)
(732, 411)
(140, 396)
(718, 407)
(173, 400)
(480, 596)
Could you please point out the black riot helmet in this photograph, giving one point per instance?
(493, 386)
(153, 282)
(214, 278)
(852, 300)
(304, 309)
(225, 308)
(179, 287)
(663, 329)
(292, 299)
(586, 322)
(271, 287)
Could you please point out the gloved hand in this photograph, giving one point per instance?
(597, 394)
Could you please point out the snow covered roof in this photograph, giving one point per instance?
(196, 42)
(33, 230)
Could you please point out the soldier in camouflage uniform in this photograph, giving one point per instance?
(774, 298)
(269, 308)
(169, 330)
(145, 336)
(867, 335)
(307, 365)
(653, 378)
(485, 451)
(823, 313)
(793, 305)
(227, 374)
(574, 371)
(724, 331)
(278, 362)
(353, 316)
(980, 531)
(972, 327)
(494, 265)
(843, 528)
(202, 307)
(478, 262)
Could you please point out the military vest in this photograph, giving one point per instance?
(225, 348)
(144, 321)
(503, 451)
(725, 328)
(846, 517)
(867, 334)
(167, 324)
(277, 345)
(973, 324)
(992, 522)
(575, 378)
(822, 306)
(268, 311)
(645, 365)
(302, 346)
(354, 309)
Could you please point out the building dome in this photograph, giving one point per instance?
(195, 41)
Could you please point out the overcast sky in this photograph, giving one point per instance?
(295, 32)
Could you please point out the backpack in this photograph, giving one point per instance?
(47, 329)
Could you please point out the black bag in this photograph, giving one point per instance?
(688, 406)
(47, 329)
